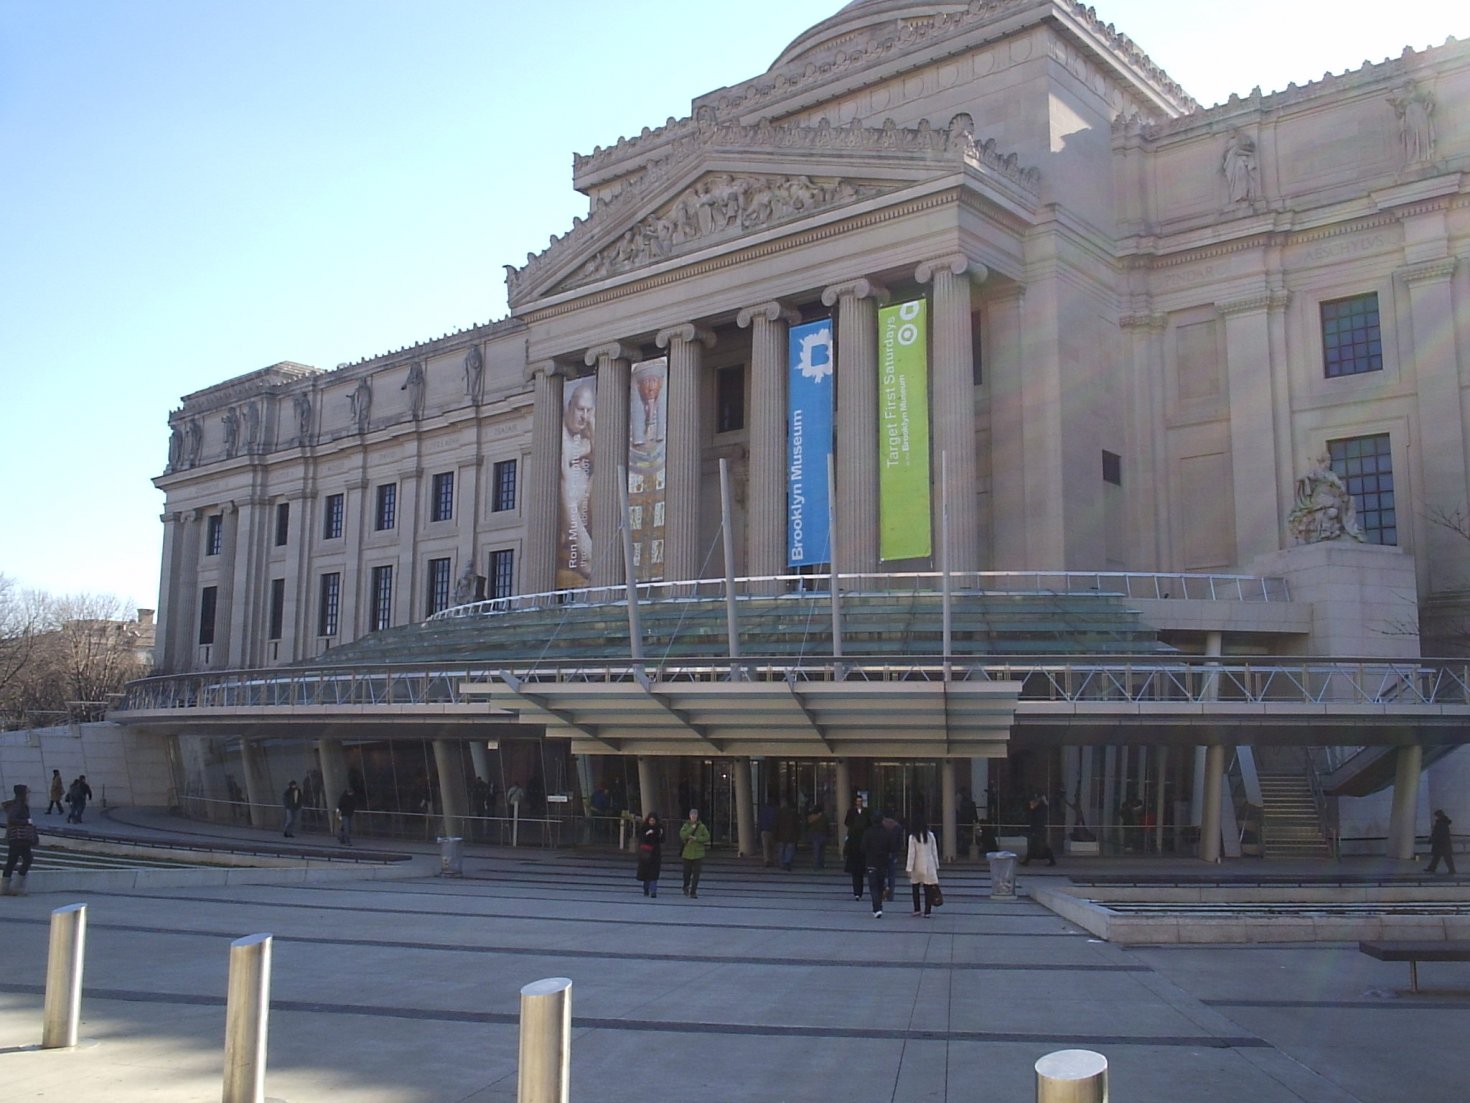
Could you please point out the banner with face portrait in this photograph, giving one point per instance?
(648, 419)
(574, 511)
(808, 443)
(904, 529)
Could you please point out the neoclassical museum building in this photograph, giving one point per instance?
(954, 411)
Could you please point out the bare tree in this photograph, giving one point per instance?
(24, 621)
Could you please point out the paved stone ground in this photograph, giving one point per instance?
(770, 987)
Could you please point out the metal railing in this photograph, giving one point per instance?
(1077, 679)
(1182, 586)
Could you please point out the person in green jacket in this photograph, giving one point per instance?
(695, 837)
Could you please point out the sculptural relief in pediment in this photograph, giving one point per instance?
(720, 206)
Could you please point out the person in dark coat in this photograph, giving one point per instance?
(877, 853)
(20, 836)
(346, 809)
(1037, 845)
(856, 825)
(1439, 843)
(650, 853)
(788, 834)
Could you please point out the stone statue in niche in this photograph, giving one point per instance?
(231, 422)
(1415, 109)
(302, 403)
(464, 589)
(361, 401)
(414, 385)
(252, 425)
(474, 374)
(1242, 174)
(175, 448)
(193, 442)
(1324, 508)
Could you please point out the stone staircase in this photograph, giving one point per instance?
(1291, 827)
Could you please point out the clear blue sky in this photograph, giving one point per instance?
(194, 189)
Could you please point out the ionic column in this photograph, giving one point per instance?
(857, 422)
(954, 403)
(172, 596)
(686, 345)
(1408, 762)
(609, 454)
(1006, 383)
(765, 509)
(543, 495)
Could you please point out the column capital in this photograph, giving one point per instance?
(687, 333)
(1434, 271)
(773, 311)
(957, 264)
(613, 350)
(863, 288)
(543, 367)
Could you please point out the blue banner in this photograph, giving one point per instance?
(808, 443)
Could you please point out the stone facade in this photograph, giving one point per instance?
(1139, 278)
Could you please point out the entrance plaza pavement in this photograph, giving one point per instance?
(770, 987)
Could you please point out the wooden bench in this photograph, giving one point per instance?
(1415, 952)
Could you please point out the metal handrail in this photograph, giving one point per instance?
(1171, 679)
(1131, 584)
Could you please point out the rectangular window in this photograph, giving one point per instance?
(332, 510)
(208, 597)
(502, 573)
(283, 523)
(214, 533)
(330, 606)
(1112, 468)
(278, 607)
(1366, 466)
(438, 595)
(1351, 342)
(730, 399)
(386, 514)
(505, 487)
(441, 501)
(382, 598)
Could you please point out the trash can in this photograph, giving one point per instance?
(1002, 875)
(451, 856)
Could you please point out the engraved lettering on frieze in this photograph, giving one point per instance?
(1349, 247)
(1414, 107)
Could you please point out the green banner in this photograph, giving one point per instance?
(903, 432)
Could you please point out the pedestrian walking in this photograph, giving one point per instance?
(788, 834)
(291, 801)
(20, 837)
(816, 834)
(856, 824)
(78, 796)
(695, 839)
(922, 865)
(346, 809)
(58, 792)
(1440, 843)
(877, 853)
(1037, 844)
(895, 838)
(650, 853)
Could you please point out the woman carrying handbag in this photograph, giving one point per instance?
(923, 866)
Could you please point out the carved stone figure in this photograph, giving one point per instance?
(464, 589)
(1242, 174)
(1415, 109)
(474, 374)
(252, 425)
(1324, 508)
(362, 404)
(193, 441)
(175, 447)
(231, 421)
(302, 402)
(414, 385)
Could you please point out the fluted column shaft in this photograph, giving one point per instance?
(543, 494)
(857, 423)
(686, 345)
(765, 527)
(954, 404)
(609, 456)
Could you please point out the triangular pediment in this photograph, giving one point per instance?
(725, 182)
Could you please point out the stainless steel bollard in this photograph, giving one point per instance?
(545, 1074)
(1072, 1076)
(246, 1009)
(64, 977)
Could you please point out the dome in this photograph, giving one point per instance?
(858, 16)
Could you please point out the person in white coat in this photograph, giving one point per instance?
(923, 865)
